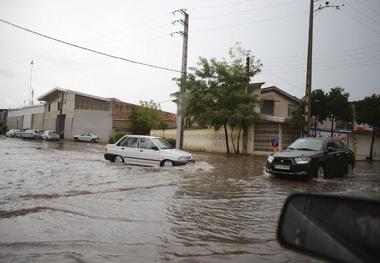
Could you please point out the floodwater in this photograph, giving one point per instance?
(63, 202)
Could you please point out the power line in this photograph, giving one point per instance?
(360, 22)
(250, 22)
(362, 13)
(90, 50)
(282, 79)
(137, 24)
(220, 4)
(368, 7)
(246, 10)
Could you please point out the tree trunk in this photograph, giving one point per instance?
(232, 138)
(226, 137)
(245, 139)
(332, 127)
(238, 142)
(372, 141)
(315, 126)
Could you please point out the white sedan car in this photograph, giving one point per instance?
(12, 132)
(146, 150)
(31, 134)
(86, 137)
(50, 135)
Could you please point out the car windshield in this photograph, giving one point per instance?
(162, 143)
(307, 145)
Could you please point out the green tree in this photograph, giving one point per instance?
(147, 116)
(214, 93)
(367, 111)
(319, 108)
(298, 117)
(338, 106)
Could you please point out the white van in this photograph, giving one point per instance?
(146, 150)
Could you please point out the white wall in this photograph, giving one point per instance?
(99, 122)
(27, 113)
(362, 145)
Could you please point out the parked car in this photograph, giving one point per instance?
(86, 137)
(12, 132)
(318, 157)
(146, 150)
(31, 134)
(50, 135)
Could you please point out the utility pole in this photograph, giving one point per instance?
(180, 104)
(31, 91)
(307, 113)
(245, 128)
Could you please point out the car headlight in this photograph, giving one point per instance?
(184, 158)
(270, 158)
(302, 160)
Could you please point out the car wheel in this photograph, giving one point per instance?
(92, 140)
(167, 163)
(118, 159)
(350, 170)
(75, 139)
(320, 172)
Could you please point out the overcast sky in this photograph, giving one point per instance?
(346, 45)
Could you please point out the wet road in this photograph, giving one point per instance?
(62, 202)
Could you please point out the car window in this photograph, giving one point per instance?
(122, 141)
(340, 145)
(146, 143)
(162, 143)
(332, 144)
(131, 142)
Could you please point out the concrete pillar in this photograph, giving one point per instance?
(280, 136)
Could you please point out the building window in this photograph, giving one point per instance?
(291, 108)
(49, 107)
(59, 105)
(267, 107)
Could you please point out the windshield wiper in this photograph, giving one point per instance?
(305, 149)
(291, 148)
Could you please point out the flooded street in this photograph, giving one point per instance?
(63, 202)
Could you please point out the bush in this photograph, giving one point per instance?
(171, 141)
(115, 137)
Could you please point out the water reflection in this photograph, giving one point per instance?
(62, 201)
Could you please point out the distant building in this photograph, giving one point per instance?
(25, 118)
(70, 112)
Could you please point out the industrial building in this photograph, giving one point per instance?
(70, 112)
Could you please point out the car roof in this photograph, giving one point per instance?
(142, 136)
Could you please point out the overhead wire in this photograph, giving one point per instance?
(89, 49)
(360, 22)
(221, 4)
(362, 13)
(245, 10)
(249, 22)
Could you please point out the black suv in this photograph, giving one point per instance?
(318, 157)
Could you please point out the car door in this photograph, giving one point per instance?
(332, 158)
(148, 153)
(128, 150)
(345, 157)
(82, 137)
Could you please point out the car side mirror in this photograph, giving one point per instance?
(335, 228)
(330, 149)
(155, 148)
